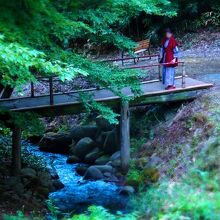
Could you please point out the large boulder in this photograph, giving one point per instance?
(148, 148)
(100, 138)
(127, 190)
(81, 169)
(154, 161)
(104, 168)
(111, 144)
(103, 124)
(83, 147)
(102, 160)
(93, 155)
(57, 184)
(72, 159)
(93, 173)
(80, 132)
(116, 156)
(55, 143)
(72, 148)
(116, 163)
(45, 179)
(28, 172)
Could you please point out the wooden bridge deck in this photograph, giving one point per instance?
(66, 103)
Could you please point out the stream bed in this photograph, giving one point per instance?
(77, 194)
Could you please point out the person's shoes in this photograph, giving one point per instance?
(170, 87)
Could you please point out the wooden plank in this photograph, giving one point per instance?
(125, 137)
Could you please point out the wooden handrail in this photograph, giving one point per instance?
(152, 65)
(51, 78)
(130, 58)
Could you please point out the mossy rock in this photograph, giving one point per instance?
(102, 160)
(79, 132)
(151, 174)
(133, 182)
(43, 191)
(72, 159)
(93, 155)
(81, 170)
(142, 162)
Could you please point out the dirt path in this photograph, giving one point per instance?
(199, 51)
(203, 57)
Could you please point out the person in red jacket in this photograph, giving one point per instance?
(169, 59)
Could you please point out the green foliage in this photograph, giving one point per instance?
(18, 216)
(54, 211)
(91, 105)
(211, 18)
(99, 213)
(183, 200)
(28, 159)
(29, 122)
(17, 64)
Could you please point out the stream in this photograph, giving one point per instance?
(78, 194)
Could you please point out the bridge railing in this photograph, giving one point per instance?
(51, 79)
(134, 58)
(160, 66)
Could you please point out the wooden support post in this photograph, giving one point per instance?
(51, 90)
(122, 57)
(125, 137)
(16, 150)
(184, 76)
(159, 70)
(32, 89)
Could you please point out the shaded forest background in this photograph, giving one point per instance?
(43, 37)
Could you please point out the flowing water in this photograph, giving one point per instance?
(78, 194)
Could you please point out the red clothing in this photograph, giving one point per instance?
(169, 51)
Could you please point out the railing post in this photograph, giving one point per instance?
(122, 57)
(51, 90)
(32, 89)
(159, 69)
(183, 75)
(125, 136)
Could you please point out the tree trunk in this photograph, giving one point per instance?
(125, 137)
(16, 150)
(7, 92)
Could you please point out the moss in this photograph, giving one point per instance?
(151, 174)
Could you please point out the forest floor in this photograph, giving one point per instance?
(201, 52)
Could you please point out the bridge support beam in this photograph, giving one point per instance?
(16, 150)
(125, 136)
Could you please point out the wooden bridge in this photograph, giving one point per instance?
(53, 104)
